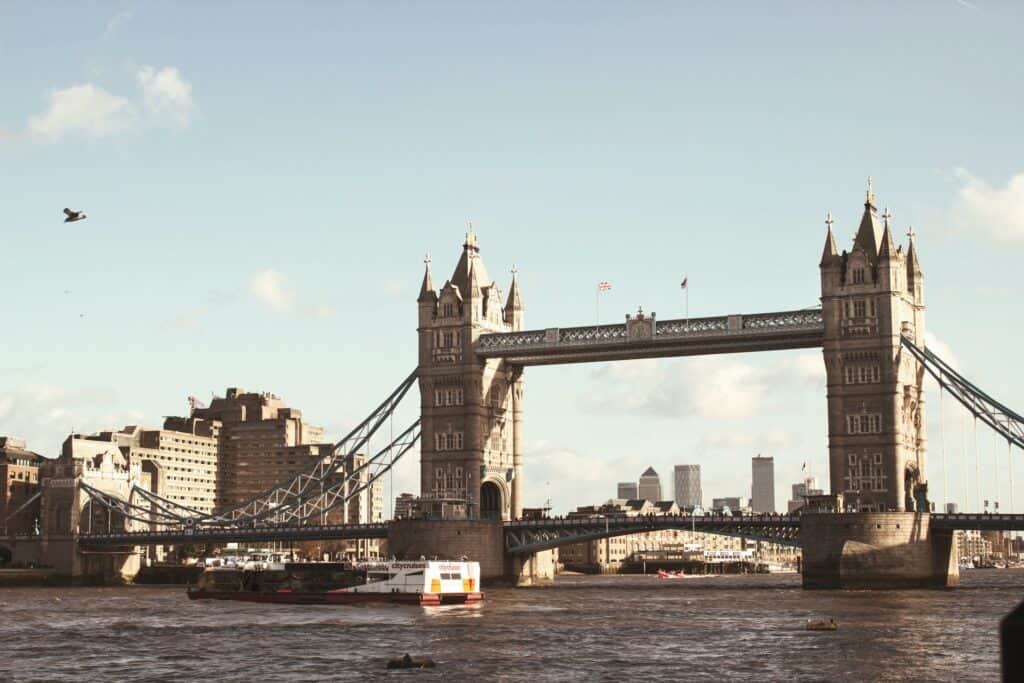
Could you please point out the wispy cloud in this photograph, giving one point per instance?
(996, 213)
(91, 111)
(116, 22)
(86, 109)
(270, 289)
(166, 95)
(712, 387)
(45, 414)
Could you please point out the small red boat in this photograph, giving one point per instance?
(336, 583)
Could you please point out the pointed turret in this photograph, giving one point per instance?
(514, 305)
(914, 273)
(427, 292)
(869, 234)
(470, 274)
(830, 254)
(887, 250)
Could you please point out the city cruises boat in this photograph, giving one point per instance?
(424, 582)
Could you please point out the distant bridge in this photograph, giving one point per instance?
(531, 536)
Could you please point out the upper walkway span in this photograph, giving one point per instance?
(645, 337)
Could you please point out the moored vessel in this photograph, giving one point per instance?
(423, 582)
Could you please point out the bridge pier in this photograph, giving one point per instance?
(481, 541)
(876, 550)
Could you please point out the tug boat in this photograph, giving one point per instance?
(425, 582)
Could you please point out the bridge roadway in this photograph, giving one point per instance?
(649, 338)
(530, 536)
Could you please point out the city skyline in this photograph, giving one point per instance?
(105, 328)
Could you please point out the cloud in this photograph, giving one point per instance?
(997, 213)
(43, 415)
(166, 95)
(941, 349)
(85, 109)
(269, 288)
(88, 110)
(568, 477)
(711, 387)
(115, 22)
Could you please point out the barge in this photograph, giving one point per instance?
(424, 582)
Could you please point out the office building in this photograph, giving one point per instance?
(762, 484)
(688, 493)
(650, 486)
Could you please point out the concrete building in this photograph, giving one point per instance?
(650, 485)
(688, 494)
(627, 490)
(808, 487)
(471, 448)
(762, 484)
(871, 296)
(182, 465)
(735, 504)
(262, 441)
(19, 482)
(406, 506)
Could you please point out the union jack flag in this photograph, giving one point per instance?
(604, 286)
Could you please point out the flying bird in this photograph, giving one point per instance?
(73, 216)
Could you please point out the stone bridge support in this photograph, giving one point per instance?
(481, 541)
(876, 550)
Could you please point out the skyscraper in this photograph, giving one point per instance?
(762, 489)
(650, 485)
(687, 481)
(627, 490)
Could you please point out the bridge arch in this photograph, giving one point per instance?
(493, 497)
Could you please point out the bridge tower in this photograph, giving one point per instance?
(870, 296)
(471, 408)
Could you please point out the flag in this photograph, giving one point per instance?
(604, 286)
(682, 285)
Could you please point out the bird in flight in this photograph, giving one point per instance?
(73, 216)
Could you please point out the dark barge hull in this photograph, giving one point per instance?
(338, 597)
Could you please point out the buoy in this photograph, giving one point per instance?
(408, 662)
(822, 624)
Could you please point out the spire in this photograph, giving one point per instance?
(869, 234)
(888, 248)
(913, 265)
(514, 303)
(427, 292)
(470, 274)
(830, 255)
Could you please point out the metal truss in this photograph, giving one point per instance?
(307, 495)
(1006, 422)
(527, 537)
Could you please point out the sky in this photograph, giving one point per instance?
(262, 182)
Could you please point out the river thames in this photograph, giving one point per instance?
(584, 628)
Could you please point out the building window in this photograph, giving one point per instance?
(863, 374)
(865, 423)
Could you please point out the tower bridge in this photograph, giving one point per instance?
(473, 349)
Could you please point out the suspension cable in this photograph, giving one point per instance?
(942, 439)
(977, 463)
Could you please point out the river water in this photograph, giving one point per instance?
(585, 628)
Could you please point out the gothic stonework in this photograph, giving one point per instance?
(871, 296)
(471, 408)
